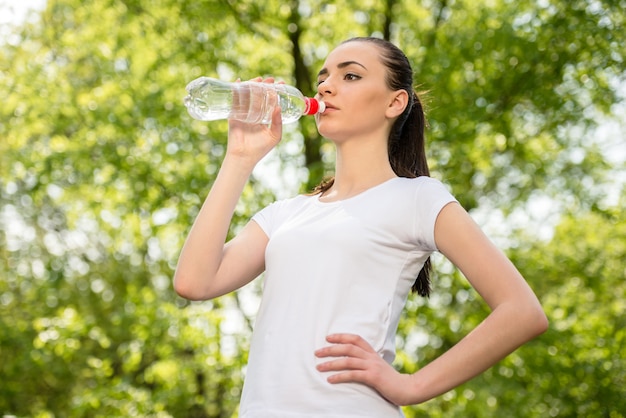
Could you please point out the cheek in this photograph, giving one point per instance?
(373, 111)
(374, 103)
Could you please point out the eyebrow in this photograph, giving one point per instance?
(344, 64)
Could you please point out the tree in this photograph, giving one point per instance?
(102, 172)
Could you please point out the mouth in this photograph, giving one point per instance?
(329, 106)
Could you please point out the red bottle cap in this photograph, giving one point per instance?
(313, 106)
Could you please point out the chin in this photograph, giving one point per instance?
(327, 128)
(329, 135)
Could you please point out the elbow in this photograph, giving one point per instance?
(537, 321)
(543, 323)
(529, 318)
(182, 289)
(185, 288)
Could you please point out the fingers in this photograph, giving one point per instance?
(350, 367)
(341, 350)
(355, 361)
(350, 350)
(350, 376)
(353, 356)
(276, 125)
(260, 79)
(350, 339)
(342, 361)
(276, 120)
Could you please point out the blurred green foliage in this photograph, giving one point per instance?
(102, 173)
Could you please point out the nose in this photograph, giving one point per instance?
(325, 87)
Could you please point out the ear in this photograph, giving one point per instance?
(399, 100)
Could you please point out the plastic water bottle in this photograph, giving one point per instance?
(249, 101)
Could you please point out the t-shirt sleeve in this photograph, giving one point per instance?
(272, 216)
(265, 216)
(430, 198)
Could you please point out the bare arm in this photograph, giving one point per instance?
(207, 267)
(516, 315)
(516, 318)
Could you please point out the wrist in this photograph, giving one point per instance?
(415, 390)
(240, 164)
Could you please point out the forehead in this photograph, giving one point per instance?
(364, 53)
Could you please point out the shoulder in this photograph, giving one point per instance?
(426, 197)
(422, 182)
(281, 209)
(289, 204)
(422, 189)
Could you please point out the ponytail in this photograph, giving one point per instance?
(407, 156)
(406, 146)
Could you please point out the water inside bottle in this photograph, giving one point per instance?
(253, 103)
(208, 100)
(291, 106)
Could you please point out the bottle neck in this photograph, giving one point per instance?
(313, 106)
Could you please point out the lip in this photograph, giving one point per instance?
(329, 106)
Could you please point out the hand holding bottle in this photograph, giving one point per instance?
(252, 141)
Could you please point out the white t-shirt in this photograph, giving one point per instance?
(339, 267)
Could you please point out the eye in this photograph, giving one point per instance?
(351, 77)
(319, 82)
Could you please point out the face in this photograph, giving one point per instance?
(358, 101)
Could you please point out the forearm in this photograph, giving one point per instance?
(504, 330)
(202, 252)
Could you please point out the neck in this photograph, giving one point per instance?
(360, 165)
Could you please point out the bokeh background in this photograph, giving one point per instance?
(102, 173)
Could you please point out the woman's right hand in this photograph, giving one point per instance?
(251, 142)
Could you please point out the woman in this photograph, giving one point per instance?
(339, 263)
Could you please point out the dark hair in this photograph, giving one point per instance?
(406, 148)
